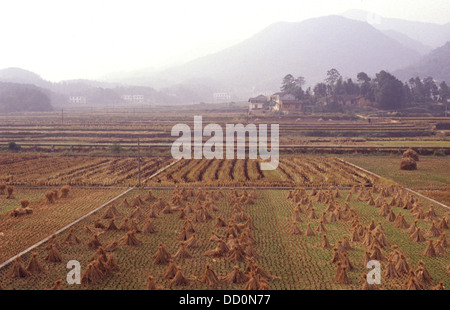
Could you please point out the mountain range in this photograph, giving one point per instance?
(435, 64)
(350, 44)
(307, 49)
(354, 42)
(430, 34)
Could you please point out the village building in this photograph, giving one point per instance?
(257, 103)
(77, 99)
(133, 98)
(222, 97)
(287, 102)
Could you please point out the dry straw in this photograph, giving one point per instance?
(53, 255)
(149, 228)
(130, 239)
(210, 277)
(65, 190)
(366, 286)
(179, 279)
(151, 285)
(171, 270)
(236, 276)
(57, 286)
(18, 270)
(94, 243)
(407, 163)
(10, 192)
(33, 265)
(162, 256)
(112, 225)
(411, 153)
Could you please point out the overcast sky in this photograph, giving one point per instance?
(87, 39)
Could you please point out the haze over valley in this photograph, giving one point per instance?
(352, 42)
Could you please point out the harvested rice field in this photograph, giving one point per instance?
(20, 230)
(254, 239)
(52, 170)
(313, 223)
(432, 177)
(432, 171)
(292, 171)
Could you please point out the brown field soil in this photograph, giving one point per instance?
(298, 260)
(19, 233)
(54, 170)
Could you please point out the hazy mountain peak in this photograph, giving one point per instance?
(375, 18)
(308, 48)
(19, 75)
(429, 34)
(408, 42)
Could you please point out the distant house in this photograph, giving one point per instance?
(287, 102)
(221, 97)
(257, 103)
(77, 99)
(133, 98)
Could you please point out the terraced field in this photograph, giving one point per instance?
(152, 125)
(266, 237)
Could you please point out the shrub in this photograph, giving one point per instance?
(13, 146)
(115, 148)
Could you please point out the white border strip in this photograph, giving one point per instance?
(432, 200)
(355, 166)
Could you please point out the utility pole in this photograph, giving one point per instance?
(62, 117)
(139, 163)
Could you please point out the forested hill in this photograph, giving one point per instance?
(23, 98)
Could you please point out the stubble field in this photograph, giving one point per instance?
(295, 261)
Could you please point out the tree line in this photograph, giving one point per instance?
(385, 89)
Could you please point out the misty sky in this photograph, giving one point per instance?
(61, 39)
